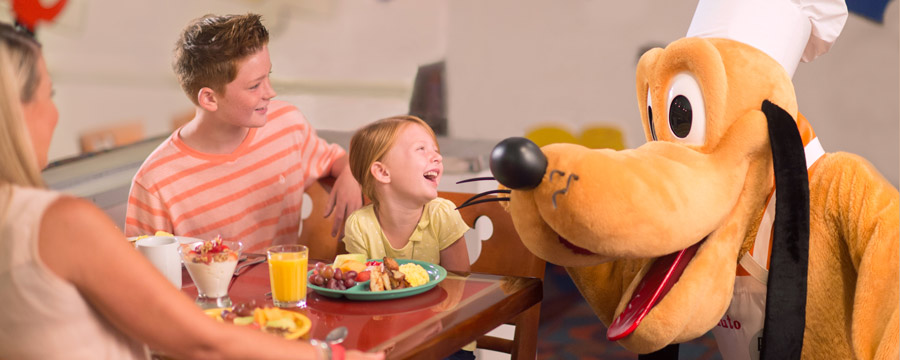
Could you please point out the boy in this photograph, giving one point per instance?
(239, 167)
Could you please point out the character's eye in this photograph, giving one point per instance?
(687, 114)
(650, 116)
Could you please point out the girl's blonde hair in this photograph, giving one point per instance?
(371, 142)
(19, 55)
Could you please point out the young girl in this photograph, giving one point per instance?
(398, 164)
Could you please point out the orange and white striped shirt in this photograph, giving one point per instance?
(252, 195)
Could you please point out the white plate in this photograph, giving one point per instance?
(181, 239)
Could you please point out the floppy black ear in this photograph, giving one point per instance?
(786, 289)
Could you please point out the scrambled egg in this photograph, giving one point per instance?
(415, 274)
(158, 233)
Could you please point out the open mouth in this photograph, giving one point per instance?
(660, 278)
(431, 175)
(573, 247)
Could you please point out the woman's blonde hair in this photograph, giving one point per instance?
(371, 142)
(19, 78)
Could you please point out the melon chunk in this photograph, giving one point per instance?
(347, 262)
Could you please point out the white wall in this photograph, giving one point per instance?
(512, 65)
(344, 62)
(517, 64)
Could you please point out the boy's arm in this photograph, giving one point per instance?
(345, 196)
(329, 160)
(146, 213)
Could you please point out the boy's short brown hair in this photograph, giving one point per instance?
(207, 52)
(371, 142)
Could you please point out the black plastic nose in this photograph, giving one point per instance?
(518, 163)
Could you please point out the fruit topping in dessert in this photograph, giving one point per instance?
(211, 251)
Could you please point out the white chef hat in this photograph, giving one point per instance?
(786, 30)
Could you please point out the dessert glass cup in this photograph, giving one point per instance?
(211, 277)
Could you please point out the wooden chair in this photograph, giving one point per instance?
(504, 254)
(315, 230)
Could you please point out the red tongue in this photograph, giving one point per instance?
(575, 249)
(663, 274)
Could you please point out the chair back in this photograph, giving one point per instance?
(504, 254)
(315, 230)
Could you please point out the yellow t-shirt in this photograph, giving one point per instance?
(439, 227)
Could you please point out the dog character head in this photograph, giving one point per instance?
(652, 235)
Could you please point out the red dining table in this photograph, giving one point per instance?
(430, 325)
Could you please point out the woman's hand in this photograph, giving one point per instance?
(354, 355)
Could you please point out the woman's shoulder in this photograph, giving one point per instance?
(28, 199)
(75, 212)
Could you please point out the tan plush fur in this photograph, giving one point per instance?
(629, 207)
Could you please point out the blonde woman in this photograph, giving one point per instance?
(70, 285)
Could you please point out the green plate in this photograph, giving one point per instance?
(361, 291)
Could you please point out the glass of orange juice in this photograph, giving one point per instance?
(287, 274)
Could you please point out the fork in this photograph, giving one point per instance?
(237, 270)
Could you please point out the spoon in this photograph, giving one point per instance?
(337, 335)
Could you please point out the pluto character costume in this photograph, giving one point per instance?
(686, 233)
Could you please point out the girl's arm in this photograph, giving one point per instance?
(80, 244)
(456, 257)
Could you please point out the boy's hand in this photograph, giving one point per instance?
(345, 198)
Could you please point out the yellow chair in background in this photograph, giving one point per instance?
(597, 137)
(547, 135)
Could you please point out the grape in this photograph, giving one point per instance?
(228, 316)
(332, 284)
(245, 309)
(332, 278)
